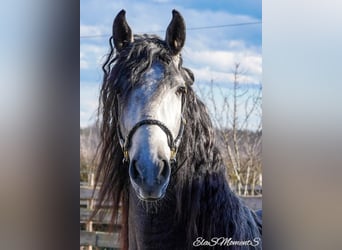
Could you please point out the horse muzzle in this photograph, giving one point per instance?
(149, 178)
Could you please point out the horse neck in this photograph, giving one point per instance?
(155, 227)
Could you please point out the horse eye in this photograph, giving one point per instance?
(181, 90)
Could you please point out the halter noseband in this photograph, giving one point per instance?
(173, 143)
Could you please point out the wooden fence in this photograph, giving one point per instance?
(92, 233)
(253, 202)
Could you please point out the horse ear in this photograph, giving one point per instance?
(175, 33)
(122, 33)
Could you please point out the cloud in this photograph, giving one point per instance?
(209, 53)
(91, 30)
(225, 60)
(218, 65)
(89, 93)
(92, 55)
(83, 62)
(206, 75)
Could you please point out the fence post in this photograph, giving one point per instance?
(90, 205)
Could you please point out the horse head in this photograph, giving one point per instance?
(150, 101)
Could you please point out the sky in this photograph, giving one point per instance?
(209, 51)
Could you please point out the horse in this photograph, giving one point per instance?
(158, 162)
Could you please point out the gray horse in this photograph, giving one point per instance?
(159, 166)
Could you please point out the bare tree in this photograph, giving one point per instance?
(237, 117)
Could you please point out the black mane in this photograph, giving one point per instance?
(136, 59)
(205, 205)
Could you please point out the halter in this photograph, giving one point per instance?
(173, 143)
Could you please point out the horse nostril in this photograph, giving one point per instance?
(164, 169)
(134, 170)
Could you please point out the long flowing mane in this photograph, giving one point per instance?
(205, 204)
